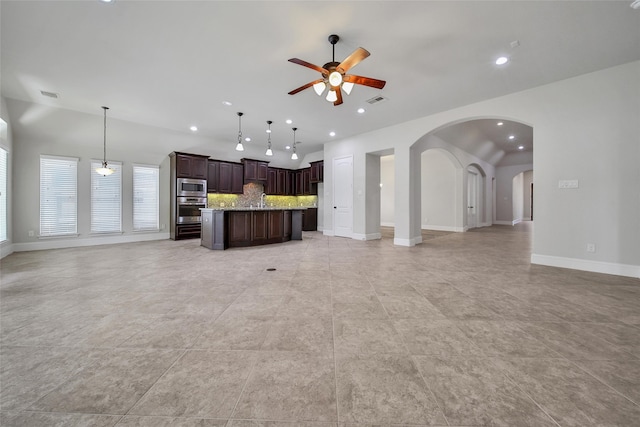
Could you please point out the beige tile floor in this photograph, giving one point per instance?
(460, 330)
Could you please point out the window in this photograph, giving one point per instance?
(146, 196)
(3, 194)
(106, 199)
(58, 196)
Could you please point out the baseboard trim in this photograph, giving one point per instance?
(503, 223)
(387, 224)
(91, 241)
(369, 236)
(328, 233)
(443, 228)
(407, 242)
(6, 249)
(586, 265)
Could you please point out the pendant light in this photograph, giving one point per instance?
(269, 152)
(294, 156)
(105, 169)
(239, 147)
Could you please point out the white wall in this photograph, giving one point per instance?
(585, 128)
(527, 180)
(6, 142)
(504, 192)
(438, 191)
(387, 199)
(517, 190)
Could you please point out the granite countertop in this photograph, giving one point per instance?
(268, 208)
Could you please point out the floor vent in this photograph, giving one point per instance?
(376, 99)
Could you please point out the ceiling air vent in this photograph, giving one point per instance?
(376, 99)
(49, 94)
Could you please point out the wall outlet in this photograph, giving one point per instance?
(31, 233)
(568, 183)
(591, 247)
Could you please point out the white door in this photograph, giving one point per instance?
(472, 199)
(343, 196)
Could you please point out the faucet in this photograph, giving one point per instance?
(262, 205)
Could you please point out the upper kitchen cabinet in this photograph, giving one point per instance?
(191, 166)
(213, 176)
(317, 172)
(230, 177)
(255, 170)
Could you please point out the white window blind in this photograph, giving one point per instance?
(58, 196)
(106, 199)
(146, 197)
(3, 194)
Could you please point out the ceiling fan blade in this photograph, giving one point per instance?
(309, 65)
(352, 60)
(303, 87)
(366, 81)
(339, 94)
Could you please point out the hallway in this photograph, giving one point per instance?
(460, 330)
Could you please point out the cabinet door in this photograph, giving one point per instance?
(281, 188)
(250, 169)
(291, 183)
(263, 168)
(275, 225)
(272, 177)
(306, 181)
(237, 178)
(317, 171)
(310, 219)
(212, 176)
(224, 177)
(286, 225)
(239, 227)
(199, 168)
(299, 188)
(183, 166)
(260, 225)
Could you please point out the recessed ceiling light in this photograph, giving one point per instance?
(521, 147)
(502, 60)
(332, 134)
(512, 137)
(287, 147)
(106, 1)
(360, 110)
(500, 123)
(247, 139)
(194, 128)
(288, 121)
(227, 103)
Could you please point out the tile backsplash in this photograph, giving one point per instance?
(251, 198)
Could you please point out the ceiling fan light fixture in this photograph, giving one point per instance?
(105, 169)
(332, 96)
(335, 79)
(347, 86)
(319, 88)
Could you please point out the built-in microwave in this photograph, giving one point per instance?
(188, 187)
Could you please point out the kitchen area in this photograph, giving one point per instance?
(238, 204)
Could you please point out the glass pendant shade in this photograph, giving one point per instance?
(332, 96)
(269, 152)
(347, 86)
(239, 147)
(294, 156)
(105, 169)
(319, 88)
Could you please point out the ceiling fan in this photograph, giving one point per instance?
(333, 75)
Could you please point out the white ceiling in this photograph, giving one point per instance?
(171, 64)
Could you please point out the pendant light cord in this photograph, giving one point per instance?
(104, 154)
(239, 128)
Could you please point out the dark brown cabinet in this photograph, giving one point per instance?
(255, 170)
(191, 166)
(303, 185)
(317, 172)
(310, 219)
(213, 173)
(272, 182)
(256, 227)
(230, 178)
(239, 228)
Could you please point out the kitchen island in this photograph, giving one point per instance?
(241, 227)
